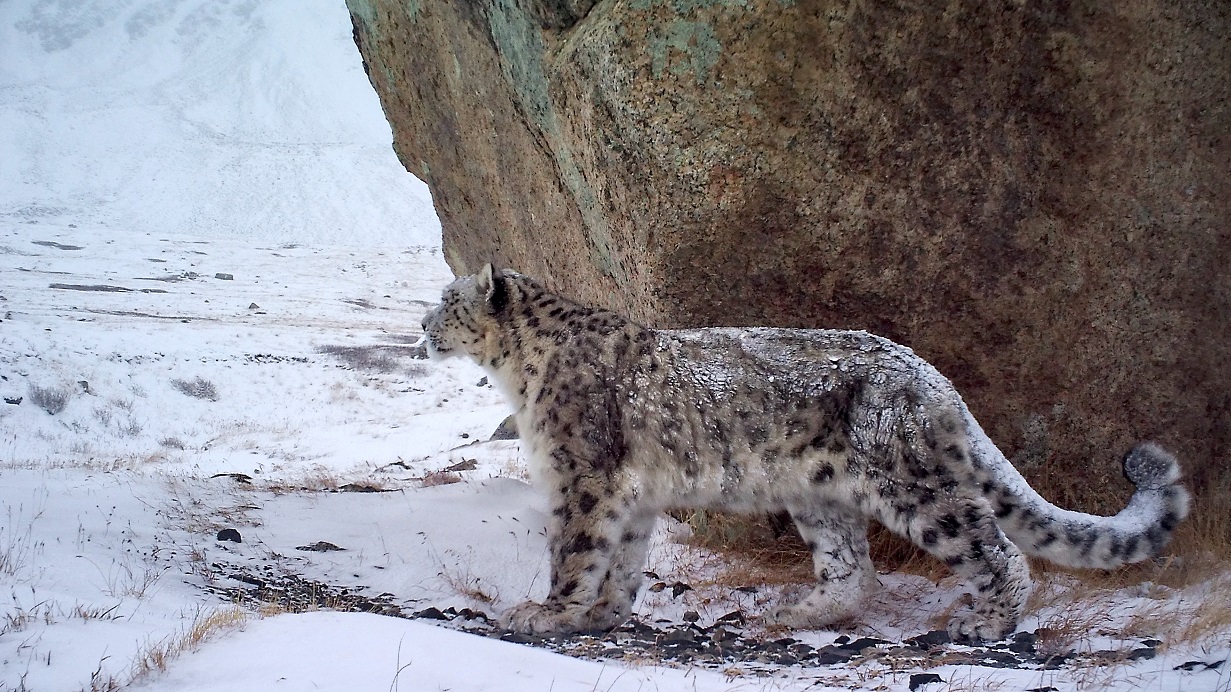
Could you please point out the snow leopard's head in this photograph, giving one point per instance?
(466, 315)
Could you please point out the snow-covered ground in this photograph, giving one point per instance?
(212, 271)
(188, 404)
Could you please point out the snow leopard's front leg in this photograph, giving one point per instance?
(844, 572)
(624, 576)
(584, 535)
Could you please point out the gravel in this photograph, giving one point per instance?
(720, 645)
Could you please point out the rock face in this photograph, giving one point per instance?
(1035, 197)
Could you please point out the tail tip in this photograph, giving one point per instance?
(1150, 467)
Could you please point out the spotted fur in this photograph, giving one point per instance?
(835, 427)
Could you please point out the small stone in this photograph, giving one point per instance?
(14, 400)
(237, 477)
(801, 650)
(468, 614)
(319, 547)
(865, 643)
(920, 679)
(1022, 643)
(691, 616)
(829, 655)
(677, 637)
(253, 306)
(999, 659)
(482, 382)
(230, 535)
(224, 276)
(1054, 662)
(1190, 665)
(506, 431)
(787, 660)
(1200, 665)
(518, 637)
(931, 639)
(430, 614)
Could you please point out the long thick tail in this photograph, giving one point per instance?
(1073, 539)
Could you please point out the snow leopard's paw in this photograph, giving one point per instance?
(974, 628)
(543, 618)
(814, 612)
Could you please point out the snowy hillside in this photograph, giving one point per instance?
(219, 442)
(203, 117)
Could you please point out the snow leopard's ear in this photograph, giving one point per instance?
(491, 285)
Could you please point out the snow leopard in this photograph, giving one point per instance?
(837, 428)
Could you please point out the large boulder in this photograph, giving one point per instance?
(1035, 196)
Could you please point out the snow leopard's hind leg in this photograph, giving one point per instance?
(943, 511)
(844, 573)
(963, 534)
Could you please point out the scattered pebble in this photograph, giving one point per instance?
(920, 679)
(230, 535)
(506, 431)
(319, 547)
(717, 646)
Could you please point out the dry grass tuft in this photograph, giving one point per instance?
(383, 358)
(51, 399)
(1206, 534)
(1197, 614)
(770, 545)
(172, 443)
(469, 586)
(321, 479)
(155, 657)
(752, 536)
(439, 478)
(1061, 632)
(369, 358)
(197, 388)
(316, 479)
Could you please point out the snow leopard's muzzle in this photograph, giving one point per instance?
(432, 340)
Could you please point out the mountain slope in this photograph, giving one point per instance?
(200, 117)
